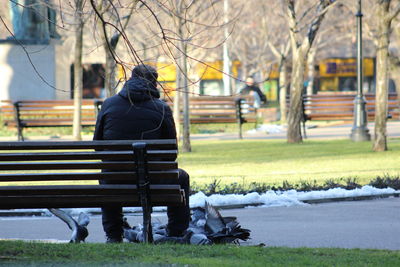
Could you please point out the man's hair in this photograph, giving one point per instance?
(145, 72)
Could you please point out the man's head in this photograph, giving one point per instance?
(145, 72)
(250, 81)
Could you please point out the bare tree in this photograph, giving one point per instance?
(332, 39)
(384, 15)
(279, 44)
(379, 15)
(188, 33)
(112, 21)
(78, 72)
(301, 43)
(249, 37)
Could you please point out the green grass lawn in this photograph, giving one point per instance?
(14, 253)
(273, 161)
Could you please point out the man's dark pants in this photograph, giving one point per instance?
(178, 216)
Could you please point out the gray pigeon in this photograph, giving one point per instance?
(135, 234)
(223, 229)
(132, 234)
(79, 229)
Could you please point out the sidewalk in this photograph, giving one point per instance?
(373, 224)
(341, 131)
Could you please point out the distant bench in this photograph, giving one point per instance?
(222, 109)
(328, 107)
(143, 163)
(45, 113)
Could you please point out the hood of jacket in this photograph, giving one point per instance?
(139, 90)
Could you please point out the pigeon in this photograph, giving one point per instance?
(131, 233)
(206, 227)
(79, 228)
(223, 229)
(135, 234)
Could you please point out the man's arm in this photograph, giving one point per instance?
(98, 132)
(168, 130)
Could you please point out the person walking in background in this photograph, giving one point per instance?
(138, 113)
(252, 89)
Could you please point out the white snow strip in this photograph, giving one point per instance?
(267, 199)
(267, 128)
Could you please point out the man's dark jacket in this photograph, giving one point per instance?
(135, 113)
(248, 88)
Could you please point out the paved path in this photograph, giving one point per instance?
(354, 224)
(341, 131)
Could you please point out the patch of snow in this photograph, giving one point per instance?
(284, 198)
(267, 199)
(267, 128)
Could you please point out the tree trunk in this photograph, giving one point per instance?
(296, 91)
(78, 73)
(186, 147)
(382, 78)
(110, 81)
(177, 104)
(283, 90)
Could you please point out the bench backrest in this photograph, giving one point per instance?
(219, 109)
(74, 168)
(341, 106)
(54, 113)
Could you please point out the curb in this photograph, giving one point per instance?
(358, 198)
(16, 213)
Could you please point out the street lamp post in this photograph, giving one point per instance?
(359, 131)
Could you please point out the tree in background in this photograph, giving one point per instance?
(384, 15)
(113, 19)
(188, 35)
(304, 22)
(78, 71)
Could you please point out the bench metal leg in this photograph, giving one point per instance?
(239, 116)
(20, 134)
(304, 129)
(143, 185)
(18, 121)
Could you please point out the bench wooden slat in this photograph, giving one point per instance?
(78, 201)
(89, 155)
(84, 190)
(55, 122)
(98, 145)
(214, 114)
(57, 112)
(118, 165)
(214, 120)
(154, 176)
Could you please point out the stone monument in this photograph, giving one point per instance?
(33, 61)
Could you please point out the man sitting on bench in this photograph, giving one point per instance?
(137, 113)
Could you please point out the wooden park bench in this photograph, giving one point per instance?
(76, 166)
(222, 109)
(340, 107)
(46, 113)
(327, 107)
